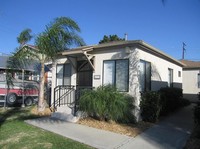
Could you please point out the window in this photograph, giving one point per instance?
(179, 73)
(116, 72)
(63, 74)
(2, 77)
(198, 80)
(170, 77)
(145, 76)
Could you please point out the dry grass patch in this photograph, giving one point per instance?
(46, 145)
(14, 138)
(125, 129)
(46, 112)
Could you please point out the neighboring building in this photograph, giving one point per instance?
(132, 66)
(191, 79)
(19, 89)
(3, 61)
(30, 69)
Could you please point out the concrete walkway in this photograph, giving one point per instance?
(171, 133)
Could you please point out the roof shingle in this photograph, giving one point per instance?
(191, 64)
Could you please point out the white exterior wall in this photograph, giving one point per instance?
(98, 63)
(118, 54)
(159, 70)
(190, 84)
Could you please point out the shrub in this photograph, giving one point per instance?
(170, 99)
(150, 106)
(197, 115)
(185, 102)
(106, 103)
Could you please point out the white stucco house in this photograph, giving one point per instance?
(191, 79)
(132, 66)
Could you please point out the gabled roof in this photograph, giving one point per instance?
(138, 43)
(3, 61)
(27, 66)
(191, 64)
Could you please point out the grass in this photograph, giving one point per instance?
(15, 133)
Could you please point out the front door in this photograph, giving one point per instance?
(84, 74)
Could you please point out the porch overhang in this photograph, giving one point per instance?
(78, 53)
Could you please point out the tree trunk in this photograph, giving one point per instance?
(41, 104)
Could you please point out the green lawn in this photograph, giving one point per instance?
(16, 134)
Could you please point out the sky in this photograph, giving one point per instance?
(163, 25)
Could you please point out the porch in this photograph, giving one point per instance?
(73, 73)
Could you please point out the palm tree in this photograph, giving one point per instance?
(59, 35)
(24, 36)
(18, 59)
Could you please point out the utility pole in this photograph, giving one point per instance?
(6, 88)
(23, 105)
(183, 52)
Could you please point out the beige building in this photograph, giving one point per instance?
(191, 79)
(132, 66)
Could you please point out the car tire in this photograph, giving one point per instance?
(28, 101)
(11, 99)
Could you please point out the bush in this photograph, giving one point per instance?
(197, 115)
(170, 99)
(185, 102)
(106, 103)
(150, 106)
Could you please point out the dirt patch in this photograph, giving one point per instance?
(129, 130)
(46, 112)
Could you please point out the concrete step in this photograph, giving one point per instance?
(64, 109)
(65, 113)
(65, 117)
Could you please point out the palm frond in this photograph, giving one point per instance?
(24, 36)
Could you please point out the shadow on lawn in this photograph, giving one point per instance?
(25, 114)
(16, 113)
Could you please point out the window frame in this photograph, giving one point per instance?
(63, 73)
(170, 77)
(146, 88)
(115, 74)
(179, 74)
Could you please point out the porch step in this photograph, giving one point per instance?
(64, 109)
(65, 113)
(65, 117)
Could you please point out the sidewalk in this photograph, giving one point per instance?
(171, 133)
